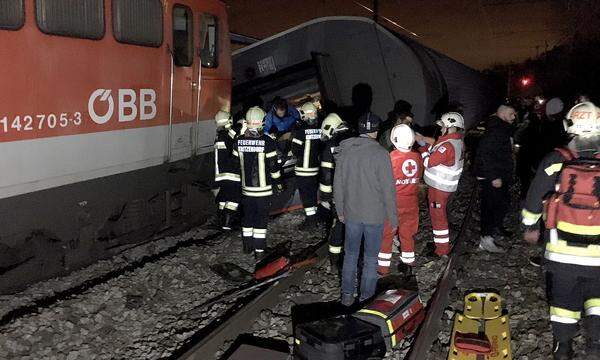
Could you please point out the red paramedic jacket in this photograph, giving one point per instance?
(408, 171)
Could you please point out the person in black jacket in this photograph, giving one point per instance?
(494, 170)
(260, 174)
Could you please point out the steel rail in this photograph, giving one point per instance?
(430, 328)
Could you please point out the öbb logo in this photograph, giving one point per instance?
(126, 103)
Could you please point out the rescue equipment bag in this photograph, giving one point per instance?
(397, 313)
(338, 338)
(572, 213)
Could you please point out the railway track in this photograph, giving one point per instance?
(239, 318)
(203, 324)
(45, 302)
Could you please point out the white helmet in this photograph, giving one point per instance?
(255, 117)
(402, 137)
(583, 120)
(331, 122)
(452, 119)
(308, 112)
(223, 118)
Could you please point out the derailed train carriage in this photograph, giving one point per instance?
(106, 128)
(324, 58)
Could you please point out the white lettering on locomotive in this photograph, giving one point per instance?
(127, 105)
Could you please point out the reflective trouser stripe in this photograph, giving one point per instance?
(441, 232)
(408, 257)
(441, 240)
(571, 259)
(564, 316)
(247, 232)
(231, 205)
(310, 210)
(335, 249)
(260, 233)
(592, 307)
(384, 259)
(326, 188)
(529, 218)
(221, 205)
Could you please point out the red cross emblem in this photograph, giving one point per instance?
(409, 167)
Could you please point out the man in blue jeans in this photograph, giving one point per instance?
(365, 196)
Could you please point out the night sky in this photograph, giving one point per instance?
(479, 33)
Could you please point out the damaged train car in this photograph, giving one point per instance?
(323, 59)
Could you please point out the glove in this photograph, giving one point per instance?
(531, 235)
(279, 188)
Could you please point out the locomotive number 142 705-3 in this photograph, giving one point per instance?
(39, 122)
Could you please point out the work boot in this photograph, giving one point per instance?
(227, 220)
(309, 223)
(347, 300)
(259, 254)
(405, 269)
(535, 261)
(562, 350)
(487, 243)
(334, 263)
(247, 244)
(593, 349)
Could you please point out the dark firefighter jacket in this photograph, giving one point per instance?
(257, 165)
(306, 144)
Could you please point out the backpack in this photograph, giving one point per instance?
(572, 213)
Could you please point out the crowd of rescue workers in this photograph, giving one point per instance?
(379, 166)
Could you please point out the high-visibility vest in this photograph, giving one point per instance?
(442, 177)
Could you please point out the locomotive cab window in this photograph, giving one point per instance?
(209, 35)
(138, 22)
(73, 18)
(12, 14)
(182, 36)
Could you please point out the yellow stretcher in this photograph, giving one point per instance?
(482, 331)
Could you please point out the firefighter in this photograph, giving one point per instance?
(572, 249)
(228, 197)
(333, 131)
(259, 173)
(407, 167)
(443, 163)
(306, 144)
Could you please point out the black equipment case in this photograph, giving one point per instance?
(338, 338)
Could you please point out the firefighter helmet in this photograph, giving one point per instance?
(329, 125)
(255, 117)
(583, 120)
(452, 119)
(223, 118)
(402, 137)
(308, 112)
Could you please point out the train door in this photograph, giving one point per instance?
(184, 84)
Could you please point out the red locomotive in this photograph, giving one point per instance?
(105, 125)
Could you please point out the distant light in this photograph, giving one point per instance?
(526, 81)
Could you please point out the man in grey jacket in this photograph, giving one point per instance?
(365, 196)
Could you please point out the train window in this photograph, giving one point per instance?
(73, 18)
(182, 36)
(138, 22)
(209, 37)
(12, 14)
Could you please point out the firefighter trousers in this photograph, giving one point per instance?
(255, 218)
(229, 195)
(408, 224)
(336, 234)
(308, 187)
(437, 201)
(573, 292)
